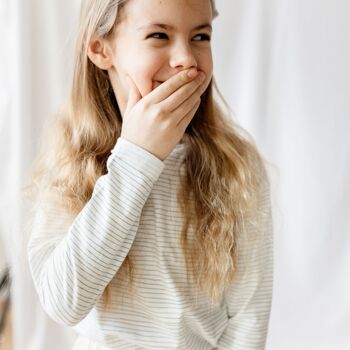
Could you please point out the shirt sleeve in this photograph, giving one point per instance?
(72, 260)
(248, 301)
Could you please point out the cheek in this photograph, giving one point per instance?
(205, 64)
(142, 71)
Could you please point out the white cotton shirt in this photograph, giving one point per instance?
(133, 210)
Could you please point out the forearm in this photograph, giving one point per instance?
(71, 266)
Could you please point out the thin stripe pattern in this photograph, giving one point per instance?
(133, 210)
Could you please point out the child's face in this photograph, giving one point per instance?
(149, 60)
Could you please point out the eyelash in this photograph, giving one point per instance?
(207, 37)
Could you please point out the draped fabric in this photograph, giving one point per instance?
(34, 65)
(283, 68)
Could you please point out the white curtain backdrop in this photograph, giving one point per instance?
(35, 67)
(283, 67)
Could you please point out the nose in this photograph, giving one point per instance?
(182, 57)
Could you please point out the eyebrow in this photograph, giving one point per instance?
(169, 27)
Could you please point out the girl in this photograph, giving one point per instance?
(152, 220)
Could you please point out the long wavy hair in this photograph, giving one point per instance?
(224, 170)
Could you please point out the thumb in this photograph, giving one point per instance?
(134, 94)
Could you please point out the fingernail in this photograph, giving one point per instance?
(192, 72)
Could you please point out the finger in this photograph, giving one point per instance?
(170, 86)
(134, 94)
(182, 94)
(186, 106)
(185, 121)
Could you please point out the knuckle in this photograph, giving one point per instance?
(158, 112)
(167, 125)
(163, 126)
(145, 105)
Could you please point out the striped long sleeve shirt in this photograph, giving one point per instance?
(133, 210)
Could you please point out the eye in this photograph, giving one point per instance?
(205, 37)
(159, 34)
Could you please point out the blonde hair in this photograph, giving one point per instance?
(224, 171)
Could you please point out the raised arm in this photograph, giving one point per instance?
(72, 261)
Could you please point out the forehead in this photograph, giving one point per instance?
(175, 13)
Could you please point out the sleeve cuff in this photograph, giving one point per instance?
(138, 158)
